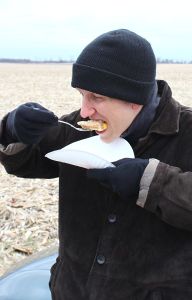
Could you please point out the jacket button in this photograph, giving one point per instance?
(112, 218)
(101, 259)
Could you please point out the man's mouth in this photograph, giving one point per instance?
(97, 125)
(101, 131)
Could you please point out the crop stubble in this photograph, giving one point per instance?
(28, 207)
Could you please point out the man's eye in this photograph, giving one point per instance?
(97, 98)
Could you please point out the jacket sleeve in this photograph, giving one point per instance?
(27, 161)
(166, 191)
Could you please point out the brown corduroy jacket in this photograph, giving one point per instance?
(139, 249)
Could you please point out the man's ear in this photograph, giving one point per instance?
(136, 107)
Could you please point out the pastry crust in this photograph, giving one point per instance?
(93, 125)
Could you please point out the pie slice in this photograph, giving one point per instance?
(93, 125)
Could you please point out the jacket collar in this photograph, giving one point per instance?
(166, 121)
(144, 119)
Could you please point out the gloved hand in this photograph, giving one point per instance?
(29, 122)
(124, 179)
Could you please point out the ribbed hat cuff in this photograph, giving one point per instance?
(110, 84)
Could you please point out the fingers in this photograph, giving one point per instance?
(35, 114)
(122, 161)
(31, 121)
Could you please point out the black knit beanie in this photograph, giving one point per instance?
(119, 64)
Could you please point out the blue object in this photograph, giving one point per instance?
(30, 281)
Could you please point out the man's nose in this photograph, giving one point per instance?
(87, 109)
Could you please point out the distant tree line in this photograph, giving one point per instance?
(29, 61)
(172, 61)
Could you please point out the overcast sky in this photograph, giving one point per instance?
(60, 29)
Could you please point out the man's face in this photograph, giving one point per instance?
(116, 113)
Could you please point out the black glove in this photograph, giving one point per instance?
(28, 123)
(124, 179)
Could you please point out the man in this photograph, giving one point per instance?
(125, 232)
